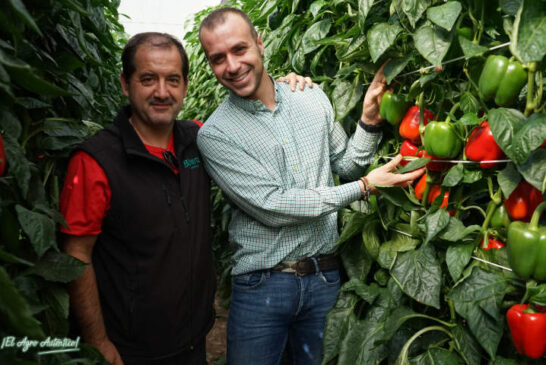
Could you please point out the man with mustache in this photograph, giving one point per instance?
(274, 153)
(136, 200)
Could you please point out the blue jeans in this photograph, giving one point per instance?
(270, 310)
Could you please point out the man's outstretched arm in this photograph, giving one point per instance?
(84, 299)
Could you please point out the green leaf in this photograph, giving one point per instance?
(16, 316)
(23, 13)
(435, 223)
(354, 51)
(534, 170)
(28, 80)
(12, 259)
(499, 360)
(12, 62)
(471, 49)
(389, 249)
(413, 165)
(394, 67)
(18, 165)
(412, 9)
(445, 15)
(419, 275)
(363, 343)
(337, 323)
(380, 37)
(510, 7)
(397, 196)
(454, 176)
(508, 179)
(457, 257)
(432, 43)
(356, 259)
(364, 7)
(470, 119)
(396, 319)
(317, 31)
(370, 237)
(437, 355)
(504, 124)
(456, 230)
(345, 97)
(64, 127)
(466, 345)
(368, 293)
(471, 176)
(39, 228)
(59, 267)
(478, 299)
(10, 125)
(353, 226)
(316, 7)
(529, 137)
(298, 60)
(469, 104)
(529, 31)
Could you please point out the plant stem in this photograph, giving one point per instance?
(530, 105)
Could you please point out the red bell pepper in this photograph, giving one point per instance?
(481, 146)
(492, 243)
(528, 330)
(409, 128)
(523, 201)
(433, 192)
(436, 166)
(409, 149)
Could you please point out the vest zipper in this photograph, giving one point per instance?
(186, 213)
(167, 196)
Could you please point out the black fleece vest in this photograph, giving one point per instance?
(153, 258)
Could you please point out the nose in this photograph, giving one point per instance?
(161, 91)
(232, 64)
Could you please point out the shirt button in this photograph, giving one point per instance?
(295, 169)
(285, 141)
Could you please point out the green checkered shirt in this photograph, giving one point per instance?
(275, 167)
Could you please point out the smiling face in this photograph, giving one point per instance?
(235, 56)
(156, 89)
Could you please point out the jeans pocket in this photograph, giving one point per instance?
(330, 278)
(249, 281)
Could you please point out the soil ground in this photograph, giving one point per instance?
(216, 339)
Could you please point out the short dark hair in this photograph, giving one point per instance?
(218, 17)
(154, 39)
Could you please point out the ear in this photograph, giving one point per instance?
(260, 45)
(124, 85)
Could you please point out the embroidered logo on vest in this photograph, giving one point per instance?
(192, 163)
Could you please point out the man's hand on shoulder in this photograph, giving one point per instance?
(292, 79)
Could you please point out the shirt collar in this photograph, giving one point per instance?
(254, 106)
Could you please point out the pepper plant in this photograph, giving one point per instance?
(419, 288)
(58, 84)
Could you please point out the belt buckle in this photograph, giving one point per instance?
(300, 271)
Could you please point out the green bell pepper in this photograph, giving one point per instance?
(527, 247)
(500, 218)
(393, 107)
(442, 140)
(502, 80)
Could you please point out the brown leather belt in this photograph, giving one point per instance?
(308, 265)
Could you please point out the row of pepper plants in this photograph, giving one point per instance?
(59, 70)
(433, 269)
